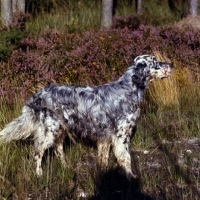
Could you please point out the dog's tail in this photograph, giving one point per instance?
(19, 128)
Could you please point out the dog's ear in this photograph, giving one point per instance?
(139, 75)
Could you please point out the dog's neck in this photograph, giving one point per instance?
(134, 88)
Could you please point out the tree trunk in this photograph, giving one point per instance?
(18, 5)
(139, 6)
(6, 12)
(106, 14)
(193, 7)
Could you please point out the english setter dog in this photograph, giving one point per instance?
(105, 114)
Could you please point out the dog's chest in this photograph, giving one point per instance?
(126, 124)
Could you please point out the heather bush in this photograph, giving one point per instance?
(184, 44)
(93, 57)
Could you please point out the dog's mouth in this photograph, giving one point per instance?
(160, 74)
(161, 77)
(166, 76)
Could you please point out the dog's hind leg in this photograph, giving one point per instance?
(58, 148)
(38, 154)
(43, 141)
(103, 153)
(121, 143)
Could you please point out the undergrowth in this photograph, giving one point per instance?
(165, 145)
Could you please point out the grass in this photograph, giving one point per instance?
(84, 15)
(165, 153)
(165, 93)
(74, 18)
(165, 146)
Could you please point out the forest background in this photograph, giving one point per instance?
(62, 42)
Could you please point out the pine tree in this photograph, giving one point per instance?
(6, 12)
(193, 7)
(106, 14)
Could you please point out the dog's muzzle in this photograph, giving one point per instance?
(166, 68)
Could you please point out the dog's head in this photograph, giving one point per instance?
(146, 68)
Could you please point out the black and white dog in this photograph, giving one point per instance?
(105, 114)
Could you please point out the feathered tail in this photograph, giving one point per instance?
(19, 128)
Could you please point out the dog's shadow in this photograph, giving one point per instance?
(114, 185)
(108, 184)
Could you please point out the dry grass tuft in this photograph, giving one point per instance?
(190, 21)
(165, 92)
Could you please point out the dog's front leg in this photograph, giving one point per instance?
(58, 150)
(103, 153)
(121, 143)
